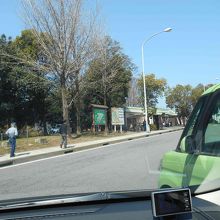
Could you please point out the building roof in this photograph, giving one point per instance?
(99, 106)
(134, 110)
(160, 111)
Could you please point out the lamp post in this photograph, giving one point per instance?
(142, 55)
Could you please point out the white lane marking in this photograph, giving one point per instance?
(80, 151)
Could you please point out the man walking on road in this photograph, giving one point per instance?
(12, 132)
(63, 133)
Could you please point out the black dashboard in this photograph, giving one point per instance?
(117, 206)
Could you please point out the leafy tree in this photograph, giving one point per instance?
(34, 83)
(184, 98)
(180, 98)
(154, 89)
(25, 91)
(196, 93)
(108, 76)
(26, 45)
(9, 96)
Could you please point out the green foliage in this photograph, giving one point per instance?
(26, 45)
(183, 98)
(107, 79)
(29, 95)
(8, 91)
(180, 98)
(154, 89)
(24, 92)
(196, 93)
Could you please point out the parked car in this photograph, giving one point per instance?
(55, 129)
(196, 160)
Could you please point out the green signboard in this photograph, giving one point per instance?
(99, 116)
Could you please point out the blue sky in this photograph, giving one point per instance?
(190, 54)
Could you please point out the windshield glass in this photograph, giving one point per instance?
(106, 95)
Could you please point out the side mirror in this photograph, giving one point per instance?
(188, 145)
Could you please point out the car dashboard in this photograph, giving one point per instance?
(132, 205)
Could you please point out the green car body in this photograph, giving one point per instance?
(196, 160)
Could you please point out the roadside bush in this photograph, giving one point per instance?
(153, 127)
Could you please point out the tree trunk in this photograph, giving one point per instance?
(78, 120)
(106, 116)
(44, 118)
(45, 127)
(65, 107)
(78, 106)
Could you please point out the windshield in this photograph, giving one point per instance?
(102, 96)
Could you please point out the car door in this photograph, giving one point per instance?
(206, 162)
(176, 166)
(197, 157)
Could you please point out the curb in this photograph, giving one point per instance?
(85, 146)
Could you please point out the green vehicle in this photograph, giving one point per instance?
(196, 160)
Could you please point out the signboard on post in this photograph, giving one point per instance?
(117, 116)
(99, 116)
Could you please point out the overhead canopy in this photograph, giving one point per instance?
(139, 111)
(161, 111)
(99, 106)
(134, 110)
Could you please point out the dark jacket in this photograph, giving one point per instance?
(63, 129)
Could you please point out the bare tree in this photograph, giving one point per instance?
(133, 98)
(67, 36)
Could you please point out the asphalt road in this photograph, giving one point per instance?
(129, 165)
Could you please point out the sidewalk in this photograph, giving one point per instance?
(56, 150)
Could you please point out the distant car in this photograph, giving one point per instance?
(55, 129)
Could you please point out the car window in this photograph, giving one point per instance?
(192, 123)
(194, 117)
(212, 132)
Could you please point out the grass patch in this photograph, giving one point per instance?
(24, 144)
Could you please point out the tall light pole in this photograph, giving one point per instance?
(142, 55)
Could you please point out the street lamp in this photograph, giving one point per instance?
(145, 96)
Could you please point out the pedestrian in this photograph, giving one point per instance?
(144, 125)
(63, 133)
(12, 132)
